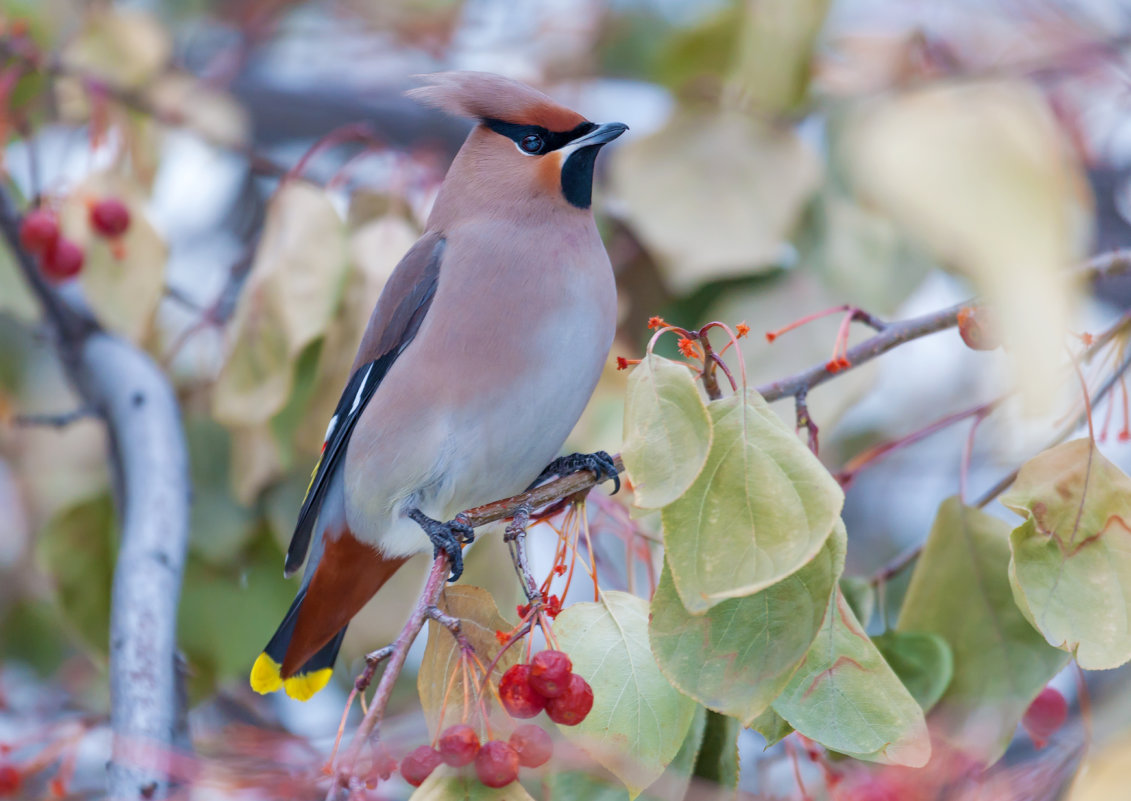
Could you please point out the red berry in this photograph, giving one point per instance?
(458, 745)
(10, 780)
(518, 697)
(571, 707)
(550, 672)
(109, 217)
(496, 765)
(418, 766)
(1045, 715)
(532, 744)
(63, 261)
(39, 231)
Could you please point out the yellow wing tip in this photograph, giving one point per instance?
(303, 686)
(265, 676)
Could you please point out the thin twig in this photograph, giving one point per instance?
(449, 622)
(902, 561)
(542, 495)
(1004, 484)
(372, 661)
(891, 336)
(805, 420)
(515, 537)
(437, 578)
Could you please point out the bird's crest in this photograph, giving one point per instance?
(484, 96)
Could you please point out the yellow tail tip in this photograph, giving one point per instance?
(265, 676)
(303, 686)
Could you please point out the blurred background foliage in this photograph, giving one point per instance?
(785, 156)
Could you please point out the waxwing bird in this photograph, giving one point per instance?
(482, 352)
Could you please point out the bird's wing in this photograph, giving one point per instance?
(401, 309)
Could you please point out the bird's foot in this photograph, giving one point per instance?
(599, 464)
(447, 538)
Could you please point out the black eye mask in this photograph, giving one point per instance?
(551, 140)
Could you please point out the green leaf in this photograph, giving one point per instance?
(228, 612)
(960, 591)
(762, 507)
(220, 526)
(639, 721)
(667, 431)
(718, 755)
(739, 656)
(776, 47)
(77, 550)
(1071, 561)
(452, 784)
(861, 596)
(440, 666)
(846, 697)
(772, 727)
(922, 661)
(672, 785)
(587, 785)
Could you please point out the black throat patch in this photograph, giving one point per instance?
(577, 176)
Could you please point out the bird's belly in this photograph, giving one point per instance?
(525, 428)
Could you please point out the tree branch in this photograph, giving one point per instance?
(891, 336)
(131, 394)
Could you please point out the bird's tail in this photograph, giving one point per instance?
(300, 656)
(312, 676)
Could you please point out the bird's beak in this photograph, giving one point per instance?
(601, 135)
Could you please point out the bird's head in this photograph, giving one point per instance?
(526, 148)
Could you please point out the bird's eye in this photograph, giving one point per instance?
(531, 143)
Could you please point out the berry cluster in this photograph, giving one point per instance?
(496, 762)
(60, 258)
(548, 683)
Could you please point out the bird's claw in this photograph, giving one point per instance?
(599, 463)
(447, 538)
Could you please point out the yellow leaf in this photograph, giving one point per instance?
(213, 114)
(981, 175)
(290, 295)
(126, 48)
(375, 249)
(123, 280)
(714, 195)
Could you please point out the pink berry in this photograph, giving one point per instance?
(62, 261)
(109, 217)
(518, 697)
(532, 744)
(550, 672)
(571, 707)
(1045, 715)
(39, 231)
(458, 745)
(496, 764)
(418, 766)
